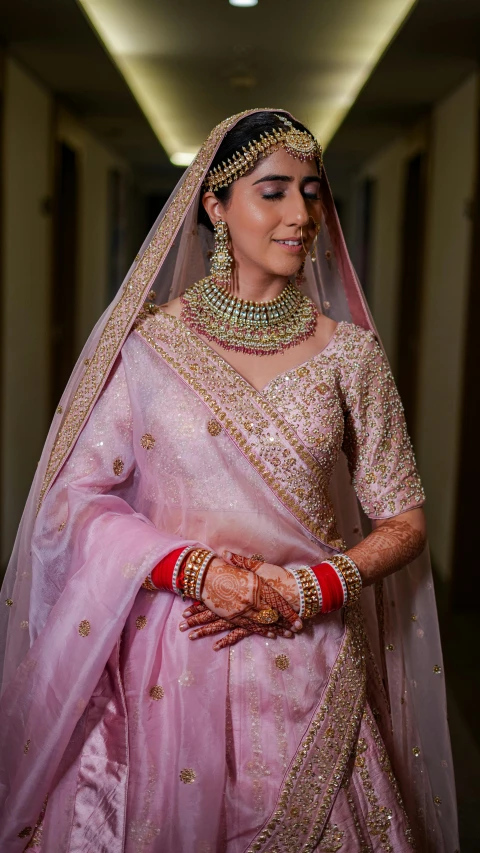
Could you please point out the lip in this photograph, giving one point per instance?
(295, 248)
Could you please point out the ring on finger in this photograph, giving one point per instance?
(267, 616)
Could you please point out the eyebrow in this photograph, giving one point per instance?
(287, 179)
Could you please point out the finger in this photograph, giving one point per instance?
(204, 618)
(208, 630)
(273, 599)
(255, 627)
(249, 563)
(196, 607)
(231, 638)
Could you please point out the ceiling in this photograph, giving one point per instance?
(191, 64)
(202, 67)
(54, 40)
(437, 48)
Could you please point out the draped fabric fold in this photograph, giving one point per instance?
(144, 741)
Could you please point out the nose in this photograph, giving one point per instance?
(296, 212)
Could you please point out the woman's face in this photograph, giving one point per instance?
(266, 213)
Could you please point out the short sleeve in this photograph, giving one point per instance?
(376, 442)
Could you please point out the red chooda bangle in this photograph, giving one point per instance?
(333, 597)
(162, 574)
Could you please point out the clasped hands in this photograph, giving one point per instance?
(235, 589)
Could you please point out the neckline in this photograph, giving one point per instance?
(262, 391)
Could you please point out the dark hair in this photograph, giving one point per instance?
(245, 131)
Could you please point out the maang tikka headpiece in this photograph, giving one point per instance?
(298, 143)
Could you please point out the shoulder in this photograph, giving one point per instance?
(359, 356)
(152, 315)
(354, 342)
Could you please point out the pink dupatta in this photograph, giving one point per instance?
(174, 255)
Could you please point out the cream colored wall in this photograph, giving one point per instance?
(452, 178)
(26, 287)
(95, 162)
(31, 124)
(450, 137)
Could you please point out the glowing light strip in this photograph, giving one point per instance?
(113, 23)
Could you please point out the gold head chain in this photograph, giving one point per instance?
(298, 143)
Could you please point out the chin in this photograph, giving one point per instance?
(288, 269)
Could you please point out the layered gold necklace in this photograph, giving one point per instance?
(258, 328)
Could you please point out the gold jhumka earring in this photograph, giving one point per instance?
(221, 259)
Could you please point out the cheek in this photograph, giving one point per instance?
(253, 224)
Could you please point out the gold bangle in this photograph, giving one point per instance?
(351, 576)
(310, 600)
(193, 566)
(147, 584)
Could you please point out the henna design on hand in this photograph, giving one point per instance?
(227, 587)
(276, 576)
(249, 563)
(388, 548)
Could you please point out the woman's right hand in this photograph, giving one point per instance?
(232, 592)
(233, 596)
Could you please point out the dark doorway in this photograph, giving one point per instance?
(465, 573)
(64, 269)
(411, 277)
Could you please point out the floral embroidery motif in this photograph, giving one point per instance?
(186, 679)
(214, 427)
(118, 466)
(332, 839)
(9, 602)
(140, 623)
(187, 776)
(26, 747)
(25, 832)
(84, 628)
(129, 571)
(157, 692)
(282, 662)
(147, 441)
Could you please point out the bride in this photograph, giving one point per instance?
(208, 644)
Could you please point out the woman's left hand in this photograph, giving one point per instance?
(206, 623)
(276, 576)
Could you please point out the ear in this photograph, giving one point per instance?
(213, 207)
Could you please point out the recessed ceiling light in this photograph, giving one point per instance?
(181, 158)
(243, 2)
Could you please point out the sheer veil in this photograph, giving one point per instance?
(400, 615)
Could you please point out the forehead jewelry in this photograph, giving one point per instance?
(298, 143)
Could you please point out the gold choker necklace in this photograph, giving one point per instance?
(258, 328)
